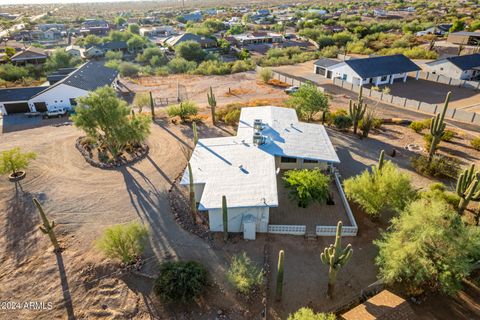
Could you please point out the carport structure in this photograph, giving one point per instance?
(15, 100)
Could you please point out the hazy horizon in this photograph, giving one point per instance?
(20, 2)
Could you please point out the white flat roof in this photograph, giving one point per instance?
(246, 174)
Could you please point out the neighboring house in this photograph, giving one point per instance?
(111, 46)
(374, 70)
(464, 38)
(59, 75)
(15, 100)
(383, 306)
(47, 26)
(76, 83)
(75, 51)
(195, 16)
(243, 168)
(92, 52)
(162, 31)
(96, 27)
(439, 30)
(466, 67)
(204, 42)
(321, 66)
(31, 55)
(257, 38)
(52, 34)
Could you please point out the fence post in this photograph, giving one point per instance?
(473, 117)
(419, 103)
(453, 113)
(450, 81)
(391, 100)
(405, 103)
(435, 110)
(438, 78)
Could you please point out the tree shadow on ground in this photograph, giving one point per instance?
(21, 221)
(67, 298)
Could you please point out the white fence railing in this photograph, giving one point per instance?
(296, 230)
(332, 230)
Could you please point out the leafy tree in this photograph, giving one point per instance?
(105, 118)
(114, 55)
(116, 35)
(308, 101)
(128, 69)
(236, 29)
(180, 281)
(134, 28)
(180, 65)
(61, 59)
(190, 50)
(244, 274)
(120, 21)
(428, 248)
(458, 25)
(309, 314)
(142, 99)
(9, 72)
(14, 160)
(307, 186)
(136, 43)
(91, 39)
(153, 56)
(9, 51)
(379, 190)
(125, 242)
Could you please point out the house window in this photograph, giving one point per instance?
(384, 78)
(56, 101)
(73, 102)
(288, 160)
(309, 161)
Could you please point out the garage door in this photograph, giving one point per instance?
(40, 106)
(20, 107)
(321, 71)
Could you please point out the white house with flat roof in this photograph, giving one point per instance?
(244, 168)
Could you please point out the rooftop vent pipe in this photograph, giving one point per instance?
(257, 125)
(258, 139)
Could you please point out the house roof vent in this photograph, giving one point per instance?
(257, 125)
(258, 139)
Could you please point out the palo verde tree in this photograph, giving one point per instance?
(47, 227)
(428, 248)
(212, 102)
(357, 110)
(307, 186)
(308, 101)
(437, 128)
(335, 257)
(106, 119)
(468, 188)
(14, 160)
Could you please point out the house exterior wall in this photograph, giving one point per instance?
(58, 97)
(235, 217)
(445, 68)
(299, 164)
(198, 188)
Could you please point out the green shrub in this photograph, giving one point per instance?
(447, 136)
(266, 74)
(308, 314)
(9, 72)
(307, 186)
(13, 160)
(232, 117)
(114, 55)
(438, 190)
(475, 143)
(342, 122)
(441, 166)
(242, 66)
(128, 69)
(330, 52)
(428, 248)
(213, 67)
(419, 126)
(378, 190)
(243, 274)
(181, 65)
(180, 281)
(123, 241)
(184, 110)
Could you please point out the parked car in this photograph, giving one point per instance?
(291, 90)
(55, 113)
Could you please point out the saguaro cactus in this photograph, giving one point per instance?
(437, 128)
(335, 257)
(468, 187)
(381, 160)
(225, 218)
(357, 110)
(280, 270)
(47, 227)
(195, 133)
(212, 101)
(193, 202)
(152, 106)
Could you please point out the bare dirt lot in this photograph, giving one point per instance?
(84, 200)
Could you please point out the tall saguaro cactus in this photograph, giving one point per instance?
(437, 128)
(280, 270)
(336, 258)
(152, 106)
(47, 227)
(195, 133)
(468, 187)
(193, 201)
(381, 160)
(225, 218)
(212, 101)
(357, 110)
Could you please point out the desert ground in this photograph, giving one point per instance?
(83, 200)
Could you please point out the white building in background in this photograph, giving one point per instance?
(466, 67)
(244, 167)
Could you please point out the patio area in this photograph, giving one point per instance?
(316, 214)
